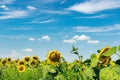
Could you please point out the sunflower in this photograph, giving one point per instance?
(102, 51)
(35, 58)
(26, 59)
(21, 68)
(33, 63)
(104, 59)
(21, 63)
(54, 57)
(4, 61)
(16, 61)
(9, 59)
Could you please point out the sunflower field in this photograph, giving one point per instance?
(99, 66)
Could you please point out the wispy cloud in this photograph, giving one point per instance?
(93, 41)
(97, 16)
(97, 29)
(76, 38)
(31, 39)
(93, 6)
(69, 41)
(82, 37)
(63, 1)
(13, 14)
(4, 7)
(42, 38)
(43, 21)
(6, 1)
(28, 50)
(45, 37)
(31, 7)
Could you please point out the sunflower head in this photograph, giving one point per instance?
(54, 57)
(35, 58)
(21, 68)
(15, 61)
(26, 59)
(9, 59)
(21, 63)
(103, 50)
(33, 63)
(4, 61)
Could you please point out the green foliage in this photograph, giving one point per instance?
(89, 69)
(94, 60)
(110, 73)
(110, 52)
(119, 48)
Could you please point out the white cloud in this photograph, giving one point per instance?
(28, 50)
(76, 38)
(31, 7)
(63, 1)
(6, 1)
(97, 16)
(45, 37)
(93, 6)
(31, 39)
(93, 41)
(69, 41)
(13, 14)
(4, 7)
(81, 38)
(43, 21)
(97, 29)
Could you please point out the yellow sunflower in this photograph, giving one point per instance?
(15, 61)
(21, 62)
(35, 58)
(103, 50)
(21, 68)
(9, 59)
(26, 59)
(104, 60)
(33, 63)
(54, 57)
(4, 61)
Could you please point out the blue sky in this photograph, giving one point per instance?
(34, 27)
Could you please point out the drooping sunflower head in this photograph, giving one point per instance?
(21, 62)
(26, 59)
(21, 68)
(54, 57)
(103, 50)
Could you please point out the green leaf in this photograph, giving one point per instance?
(94, 60)
(119, 48)
(110, 52)
(89, 72)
